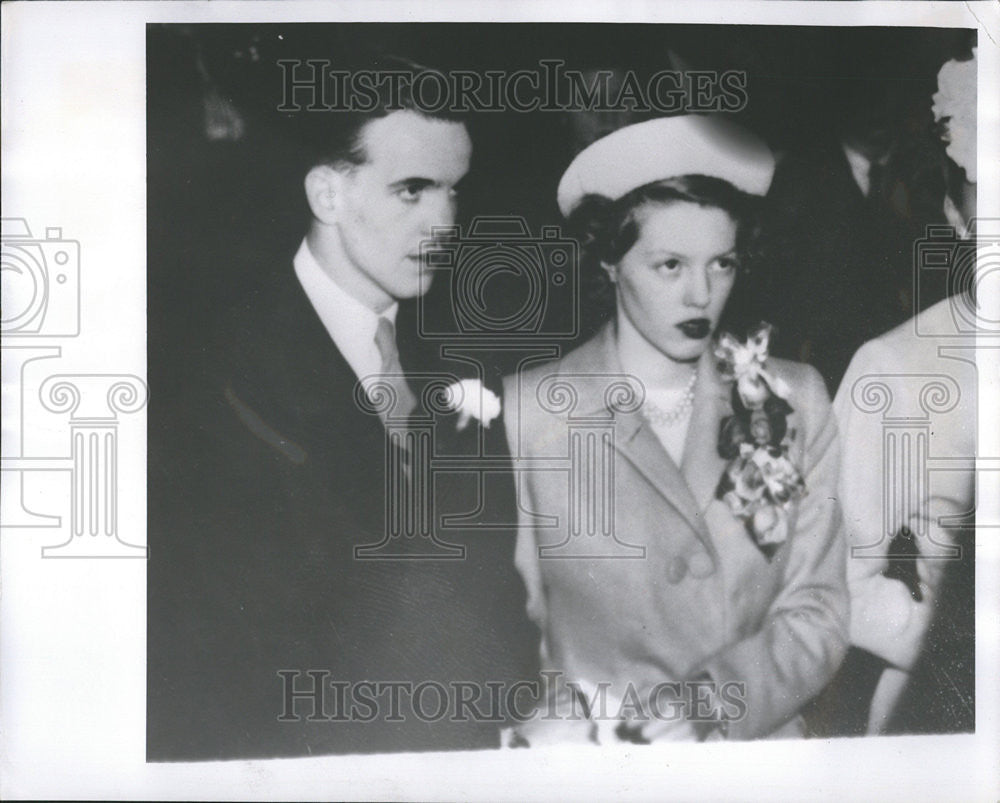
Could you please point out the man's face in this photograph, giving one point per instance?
(388, 205)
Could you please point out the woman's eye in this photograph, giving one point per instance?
(726, 264)
(670, 265)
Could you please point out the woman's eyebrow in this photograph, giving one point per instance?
(656, 252)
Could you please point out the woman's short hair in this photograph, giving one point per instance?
(607, 229)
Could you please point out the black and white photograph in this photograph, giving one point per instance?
(500, 405)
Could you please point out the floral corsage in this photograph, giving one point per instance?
(954, 107)
(760, 483)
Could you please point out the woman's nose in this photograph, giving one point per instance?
(696, 288)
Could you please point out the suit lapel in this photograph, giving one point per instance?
(296, 380)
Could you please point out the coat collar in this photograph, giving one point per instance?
(690, 487)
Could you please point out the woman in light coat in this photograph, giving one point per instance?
(680, 535)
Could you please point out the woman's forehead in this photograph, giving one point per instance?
(682, 225)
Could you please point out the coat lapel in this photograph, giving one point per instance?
(637, 442)
(688, 489)
(702, 466)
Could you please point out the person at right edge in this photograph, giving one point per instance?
(911, 566)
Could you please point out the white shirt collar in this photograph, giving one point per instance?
(349, 323)
(861, 167)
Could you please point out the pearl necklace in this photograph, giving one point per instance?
(659, 417)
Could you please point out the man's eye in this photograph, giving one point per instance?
(410, 193)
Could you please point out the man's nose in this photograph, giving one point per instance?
(696, 288)
(438, 210)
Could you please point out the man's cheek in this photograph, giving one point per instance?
(358, 221)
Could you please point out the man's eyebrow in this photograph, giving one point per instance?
(413, 183)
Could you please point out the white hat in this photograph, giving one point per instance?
(668, 146)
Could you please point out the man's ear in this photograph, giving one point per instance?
(324, 185)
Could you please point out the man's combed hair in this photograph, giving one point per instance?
(333, 136)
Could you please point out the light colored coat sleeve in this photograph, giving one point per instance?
(804, 637)
(886, 620)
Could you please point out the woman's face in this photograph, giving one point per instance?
(674, 282)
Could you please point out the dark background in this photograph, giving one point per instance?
(223, 215)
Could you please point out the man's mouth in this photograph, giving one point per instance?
(696, 328)
(430, 259)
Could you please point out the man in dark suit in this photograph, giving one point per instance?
(843, 215)
(290, 613)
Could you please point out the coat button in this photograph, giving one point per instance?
(701, 565)
(676, 569)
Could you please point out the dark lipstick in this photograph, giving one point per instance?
(696, 328)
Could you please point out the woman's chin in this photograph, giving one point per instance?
(688, 351)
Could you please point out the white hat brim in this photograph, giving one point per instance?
(659, 149)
